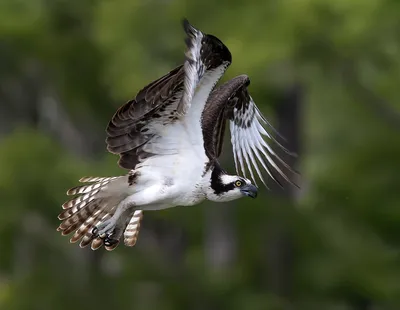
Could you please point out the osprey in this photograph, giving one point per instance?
(169, 138)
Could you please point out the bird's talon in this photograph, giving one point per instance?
(95, 231)
(108, 241)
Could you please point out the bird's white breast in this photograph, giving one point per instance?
(177, 167)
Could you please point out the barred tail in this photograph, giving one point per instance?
(93, 204)
(132, 230)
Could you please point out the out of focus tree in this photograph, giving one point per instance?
(67, 65)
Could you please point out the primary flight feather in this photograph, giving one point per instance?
(169, 137)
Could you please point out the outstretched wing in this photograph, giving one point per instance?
(139, 120)
(164, 101)
(250, 132)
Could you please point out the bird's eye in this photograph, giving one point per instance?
(238, 183)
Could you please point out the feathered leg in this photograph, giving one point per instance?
(111, 229)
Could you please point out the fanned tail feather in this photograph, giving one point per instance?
(94, 203)
(132, 230)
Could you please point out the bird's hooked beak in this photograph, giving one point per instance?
(249, 190)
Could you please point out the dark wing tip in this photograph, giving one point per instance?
(189, 29)
(245, 80)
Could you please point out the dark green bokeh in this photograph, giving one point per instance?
(65, 66)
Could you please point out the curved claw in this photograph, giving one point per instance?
(108, 241)
(95, 231)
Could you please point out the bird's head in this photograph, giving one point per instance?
(226, 187)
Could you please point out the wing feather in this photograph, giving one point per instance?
(235, 156)
(194, 66)
(251, 136)
(204, 53)
(248, 121)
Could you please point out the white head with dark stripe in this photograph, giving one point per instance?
(225, 187)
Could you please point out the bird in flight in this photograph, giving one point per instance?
(169, 137)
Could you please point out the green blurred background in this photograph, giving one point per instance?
(325, 73)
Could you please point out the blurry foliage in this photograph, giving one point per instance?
(96, 54)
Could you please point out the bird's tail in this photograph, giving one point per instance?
(93, 204)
